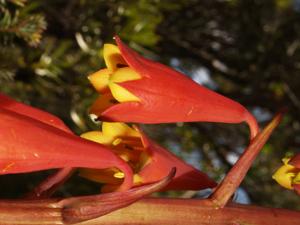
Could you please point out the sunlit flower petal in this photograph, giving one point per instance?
(149, 92)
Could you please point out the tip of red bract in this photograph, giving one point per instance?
(191, 180)
(34, 113)
(186, 178)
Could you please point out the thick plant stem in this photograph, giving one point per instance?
(237, 173)
(149, 211)
(41, 212)
(153, 211)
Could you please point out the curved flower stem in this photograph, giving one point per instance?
(252, 123)
(47, 187)
(235, 176)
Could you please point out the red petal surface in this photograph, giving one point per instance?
(30, 145)
(169, 96)
(186, 178)
(45, 117)
(162, 161)
(295, 161)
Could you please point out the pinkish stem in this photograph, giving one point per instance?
(149, 211)
(152, 211)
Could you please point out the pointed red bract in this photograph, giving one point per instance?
(45, 117)
(169, 96)
(30, 145)
(186, 178)
(162, 161)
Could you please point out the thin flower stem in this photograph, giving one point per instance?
(235, 176)
(47, 187)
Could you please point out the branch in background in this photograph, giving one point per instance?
(235, 176)
(50, 184)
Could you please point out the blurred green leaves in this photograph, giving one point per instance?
(18, 21)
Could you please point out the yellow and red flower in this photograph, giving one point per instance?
(33, 140)
(135, 89)
(148, 160)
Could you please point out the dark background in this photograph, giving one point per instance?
(245, 49)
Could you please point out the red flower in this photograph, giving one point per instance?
(33, 140)
(135, 89)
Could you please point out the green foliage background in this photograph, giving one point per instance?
(250, 49)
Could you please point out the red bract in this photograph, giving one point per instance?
(186, 178)
(45, 117)
(32, 143)
(295, 160)
(156, 93)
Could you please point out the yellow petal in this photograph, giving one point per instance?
(115, 129)
(105, 176)
(98, 137)
(100, 80)
(112, 57)
(121, 94)
(284, 176)
(102, 103)
(127, 154)
(124, 74)
(137, 179)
